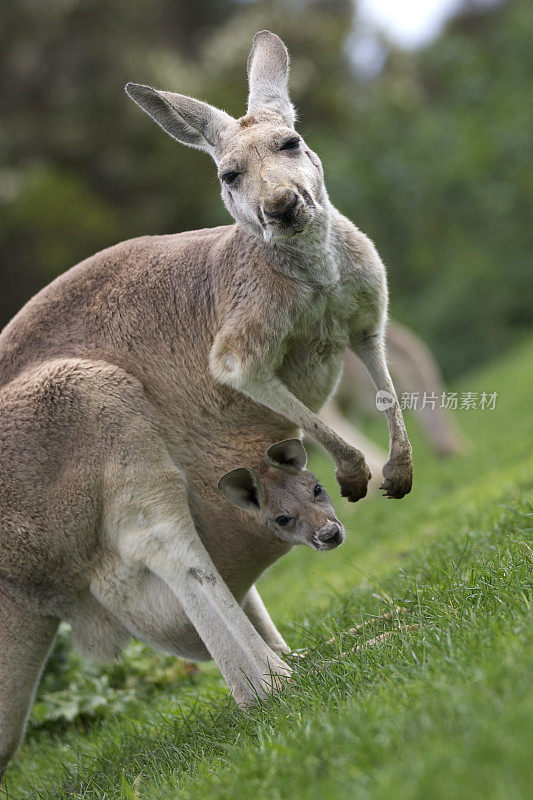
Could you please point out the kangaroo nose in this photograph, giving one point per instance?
(281, 204)
(330, 533)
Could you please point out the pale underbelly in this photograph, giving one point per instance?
(312, 376)
(140, 604)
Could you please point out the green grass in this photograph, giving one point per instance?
(441, 708)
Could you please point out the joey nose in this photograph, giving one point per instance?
(281, 204)
(330, 534)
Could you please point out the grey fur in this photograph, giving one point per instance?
(138, 378)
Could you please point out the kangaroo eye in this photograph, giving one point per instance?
(291, 144)
(317, 490)
(230, 177)
(283, 521)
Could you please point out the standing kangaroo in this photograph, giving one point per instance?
(128, 385)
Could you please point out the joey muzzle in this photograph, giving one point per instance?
(329, 537)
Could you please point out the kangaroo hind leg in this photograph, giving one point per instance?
(150, 526)
(25, 641)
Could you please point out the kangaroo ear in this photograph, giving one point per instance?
(242, 488)
(268, 74)
(289, 454)
(188, 120)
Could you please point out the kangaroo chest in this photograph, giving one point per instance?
(314, 350)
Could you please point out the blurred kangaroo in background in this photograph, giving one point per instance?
(128, 384)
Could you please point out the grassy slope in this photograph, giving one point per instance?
(442, 709)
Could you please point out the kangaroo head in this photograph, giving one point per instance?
(286, 498)
(271, 181)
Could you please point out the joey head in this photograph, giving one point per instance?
(287, 499)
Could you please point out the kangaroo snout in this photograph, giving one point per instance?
(281, 206)
(330, 536)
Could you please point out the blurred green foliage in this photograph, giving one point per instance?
(432, 157)
(72, 690)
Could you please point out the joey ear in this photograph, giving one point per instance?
(289, 454)
(242, 488)
(190, 121)
(268, 74)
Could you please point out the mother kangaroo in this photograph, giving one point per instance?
(123, 383)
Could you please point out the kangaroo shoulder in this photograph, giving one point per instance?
(357, 253)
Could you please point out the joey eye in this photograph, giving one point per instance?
(317, 490)
(291, 144)
(230, 177)
(283, 520)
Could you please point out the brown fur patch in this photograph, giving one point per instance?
(247, 121)
(260, 116)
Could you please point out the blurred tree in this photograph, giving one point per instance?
(432, 157)
(443, 159)
(78, 170)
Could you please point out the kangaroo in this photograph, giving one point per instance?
(128, 384)
(277, 504)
